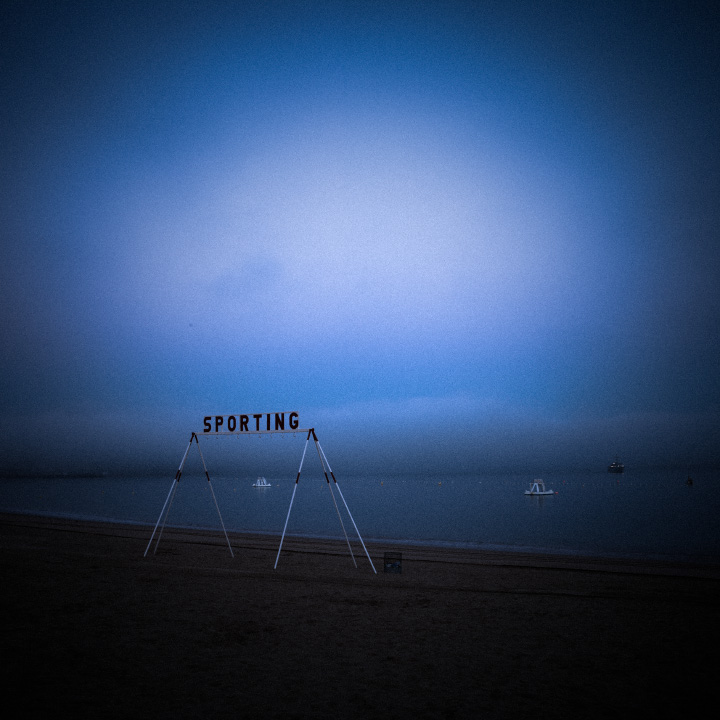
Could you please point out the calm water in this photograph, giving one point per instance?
(649, 514)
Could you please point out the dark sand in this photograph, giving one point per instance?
(92, 629)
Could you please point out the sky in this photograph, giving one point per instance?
(452, 236)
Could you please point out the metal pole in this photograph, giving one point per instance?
(292, 499)
(212, 492)
(337, 510)
(232, 554)
(348, 510)
(167, 515)
(173, 486)
(282, 539)
(355, 526)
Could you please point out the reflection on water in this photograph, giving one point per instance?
(645, 514)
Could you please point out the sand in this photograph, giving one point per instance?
(93, 629)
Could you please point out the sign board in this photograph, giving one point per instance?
(393, 562)
(251, 423)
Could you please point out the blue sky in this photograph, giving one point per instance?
(457, 235)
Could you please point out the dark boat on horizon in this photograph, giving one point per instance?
(616, 467)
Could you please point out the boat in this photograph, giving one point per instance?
(616, 467)
(261, 482)
(538, 488)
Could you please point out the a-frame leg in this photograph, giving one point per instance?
(173, 487)
(171, 495)
(325, 464)
(337, 509)
(292, 500)
(346, 506)
(212, 492)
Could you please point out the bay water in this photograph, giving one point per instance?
(641, 514)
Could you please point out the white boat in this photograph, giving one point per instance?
(538, 488)
(261, 482)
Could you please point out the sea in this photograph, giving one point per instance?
(649, 514)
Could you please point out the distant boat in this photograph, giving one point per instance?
(261, 482)
(616, 467)
(538, 488)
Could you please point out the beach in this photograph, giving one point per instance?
(93, 628)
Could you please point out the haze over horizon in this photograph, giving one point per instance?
(454, 236)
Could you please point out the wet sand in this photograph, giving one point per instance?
(93, 629)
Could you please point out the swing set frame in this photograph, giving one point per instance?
(162, 518)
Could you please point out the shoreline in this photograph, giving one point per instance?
(95, 628)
